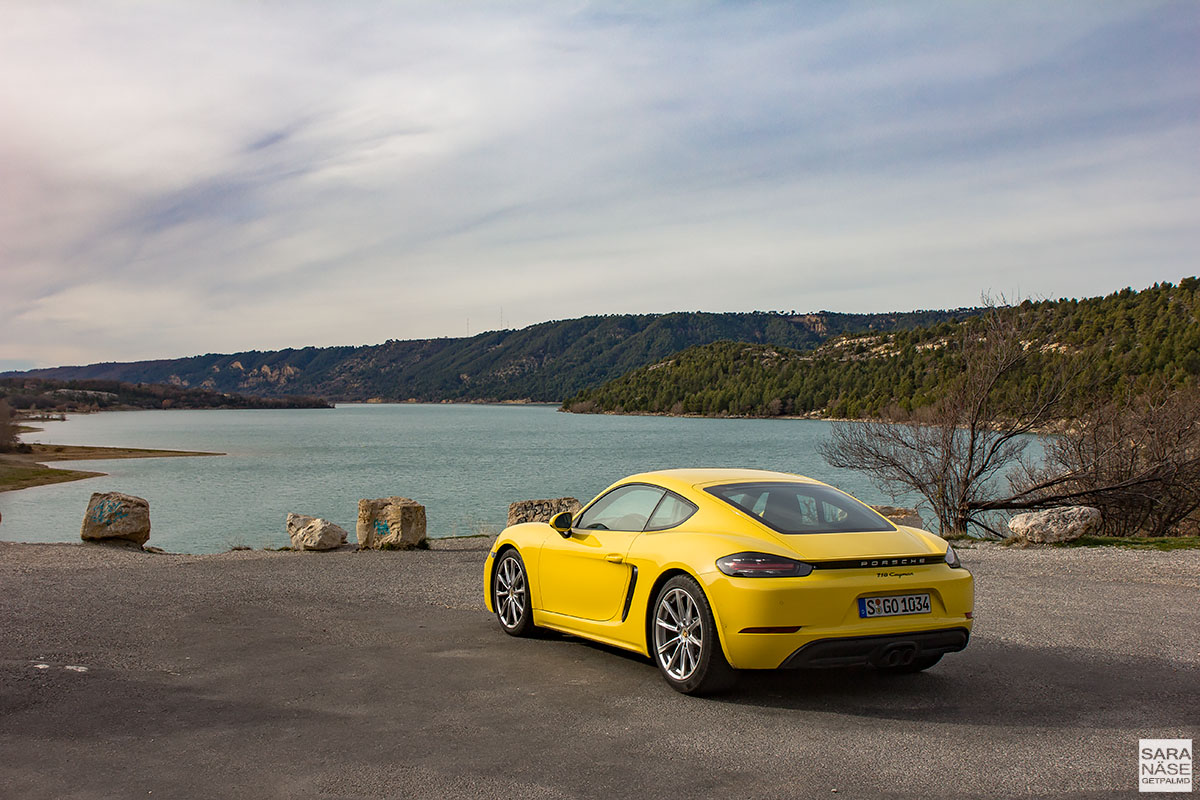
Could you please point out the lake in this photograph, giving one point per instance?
(465, 463)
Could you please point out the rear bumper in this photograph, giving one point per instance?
(823, 607)
(882, 650)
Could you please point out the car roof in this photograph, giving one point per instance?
(700, 477)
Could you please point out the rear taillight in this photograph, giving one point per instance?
(762, 565)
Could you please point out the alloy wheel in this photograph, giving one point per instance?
(510, 592)
(678, 634)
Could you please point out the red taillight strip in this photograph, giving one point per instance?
(757, 565)
(778, 629)
(762, 565)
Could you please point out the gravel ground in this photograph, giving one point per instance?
(376, 674)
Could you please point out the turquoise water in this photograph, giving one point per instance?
(465, 463)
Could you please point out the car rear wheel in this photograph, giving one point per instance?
(686, 646)
(510, 595)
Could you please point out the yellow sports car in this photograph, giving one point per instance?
(708, 571)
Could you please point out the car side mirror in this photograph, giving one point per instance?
(561, 522)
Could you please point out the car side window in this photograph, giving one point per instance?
(672, 510)
(626, 508)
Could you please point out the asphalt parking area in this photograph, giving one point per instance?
(379, 675)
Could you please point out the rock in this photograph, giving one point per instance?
(390, 523)
(295, 522)
(898, 515)
(540, 510)
(1055, 524)
(116, 518)
(314, 533)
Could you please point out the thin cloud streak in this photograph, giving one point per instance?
(219, 177)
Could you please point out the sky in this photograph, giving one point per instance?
(180, 178)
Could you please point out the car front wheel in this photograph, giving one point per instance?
(510, 595)
(687, 648)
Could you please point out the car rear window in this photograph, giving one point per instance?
(801, 507)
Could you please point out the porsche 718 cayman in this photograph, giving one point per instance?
(709, 571)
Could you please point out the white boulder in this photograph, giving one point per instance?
(314, 533)
(1063, 524)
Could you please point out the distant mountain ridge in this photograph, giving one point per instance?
(546, 362)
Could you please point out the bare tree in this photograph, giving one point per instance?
(1137, 460)
(8, 428)
(955, 453)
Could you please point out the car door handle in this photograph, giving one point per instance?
(615, 558)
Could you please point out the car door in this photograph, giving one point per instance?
(584, 575)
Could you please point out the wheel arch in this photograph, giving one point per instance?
(648, 611)
(493, 563)
(501, 549)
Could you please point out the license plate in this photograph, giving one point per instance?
(894, 606)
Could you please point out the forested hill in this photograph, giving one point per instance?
(544, 362)
(40, 395)
(1125, 340)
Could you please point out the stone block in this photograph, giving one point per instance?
(116, 517)
(540, 510)
(898, 515)
(390, 523)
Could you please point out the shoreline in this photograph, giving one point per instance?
(1045, 430)
(810, 417)
(27, 470)
(476, 542)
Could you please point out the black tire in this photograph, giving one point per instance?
(916, 665)
(510, 595)
(684, 642)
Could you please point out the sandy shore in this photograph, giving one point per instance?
(380, 674)
(24, 470)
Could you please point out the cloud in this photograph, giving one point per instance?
(234, 176)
